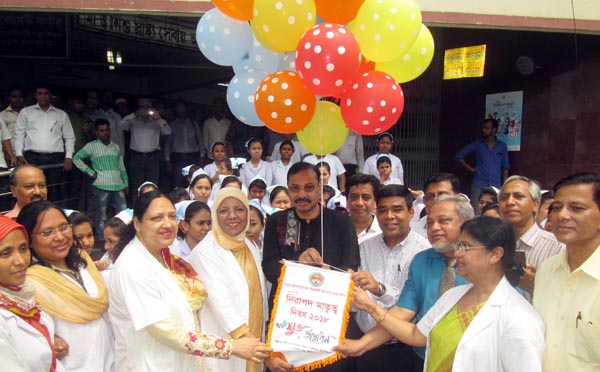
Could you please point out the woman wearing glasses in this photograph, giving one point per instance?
(229, 265)
(69, 288)
(483, 326)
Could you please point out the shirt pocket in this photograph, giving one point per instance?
(587, 339)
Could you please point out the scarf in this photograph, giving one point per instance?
(187, 279)
(21, 302)
(243, 255)
(64, 299)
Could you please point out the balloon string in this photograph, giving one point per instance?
(322, 184)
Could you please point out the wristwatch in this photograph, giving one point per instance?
(382, 289)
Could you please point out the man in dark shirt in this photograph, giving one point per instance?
(295, 234)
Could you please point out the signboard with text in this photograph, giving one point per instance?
(310, 315)
(507, 108)
(464, 62)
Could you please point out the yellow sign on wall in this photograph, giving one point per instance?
(464, 62)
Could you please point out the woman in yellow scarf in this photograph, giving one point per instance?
(229, 265)
(69, 288)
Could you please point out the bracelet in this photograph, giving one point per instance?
(377, 318)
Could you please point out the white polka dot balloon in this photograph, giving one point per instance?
(372, 104)
(222, 39)
(328, 58)
(240, 96)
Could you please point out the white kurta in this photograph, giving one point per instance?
(506, 335)
(91, 345)
(227, 305)
(142, 292)
(22, 347)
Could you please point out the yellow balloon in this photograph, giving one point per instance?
(279, 24)
(414, 62)
(387, 28)
(326, 132)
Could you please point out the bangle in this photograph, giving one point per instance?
(378, 318)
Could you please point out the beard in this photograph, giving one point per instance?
(444, 247)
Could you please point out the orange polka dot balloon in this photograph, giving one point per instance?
(284, 103)
(372, 103)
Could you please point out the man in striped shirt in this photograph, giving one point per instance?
(519, 200)
(108, 172)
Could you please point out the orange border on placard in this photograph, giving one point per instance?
(319, 363)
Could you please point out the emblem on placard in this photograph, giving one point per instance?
(316, 279)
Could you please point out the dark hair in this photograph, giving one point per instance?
(78, 218)
(28, 217)
(383, 135)
(258, 183)
(490, 207)
(329, 190)
(396, 190)
(286, 142)
(252, 140)
(491, 192)
(193, 208)
(230, 179)
(92, 90)
(546, 196)
(218, 143)
(15, 87)
(276, 191)
(123, 231)
(181, 101)
(41, 85)
(179, 194)
(101, 121)
(260, 213)
(143, 201)
(493, 121)
(495, 232)
(12, 179)
(302, 166)
(322, 164)
(441, 177)
(359, 179)
(383, 159)
(587, 178)
(198, 178)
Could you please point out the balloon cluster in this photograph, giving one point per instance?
(288, 54)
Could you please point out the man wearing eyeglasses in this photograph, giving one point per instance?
(431, 273)
(27, 184)
(436, 185)
(295, 234)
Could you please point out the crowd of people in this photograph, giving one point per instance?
(508, 280)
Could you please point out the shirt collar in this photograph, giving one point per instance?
(400, 245)
(37, 106)
(530, 235)
(591, 266)
(10, 109)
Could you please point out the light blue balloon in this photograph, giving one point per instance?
(288, 62)
(243, 65)
(240, 96)
(264, 59)
(222, 39)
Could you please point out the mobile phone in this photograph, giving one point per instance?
(521, 259)
(151, 112)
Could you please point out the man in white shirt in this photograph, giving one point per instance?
(351, 154)
(44, 136)
(436, 185)
(384, 263)
(519, 200)
(16, 97)
(567, 285)
(146, 127)
(361, 193)
(215, 128)
(116, 134)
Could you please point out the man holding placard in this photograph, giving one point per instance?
(295, 234)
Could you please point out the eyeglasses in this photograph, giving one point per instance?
(462, 248)
(225, 211)
(51, 232)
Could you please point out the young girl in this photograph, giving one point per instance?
(257, 189)
(201, 186)
(256, 166)
(384, 167)
(279, 198)
(116, 236)
(324, 170)
(179, 194)
(281, 167)
(385, 143)
(257, 224)
(194, 226)
(219, 166)
(82, 232)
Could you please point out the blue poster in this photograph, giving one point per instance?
(507, 108)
